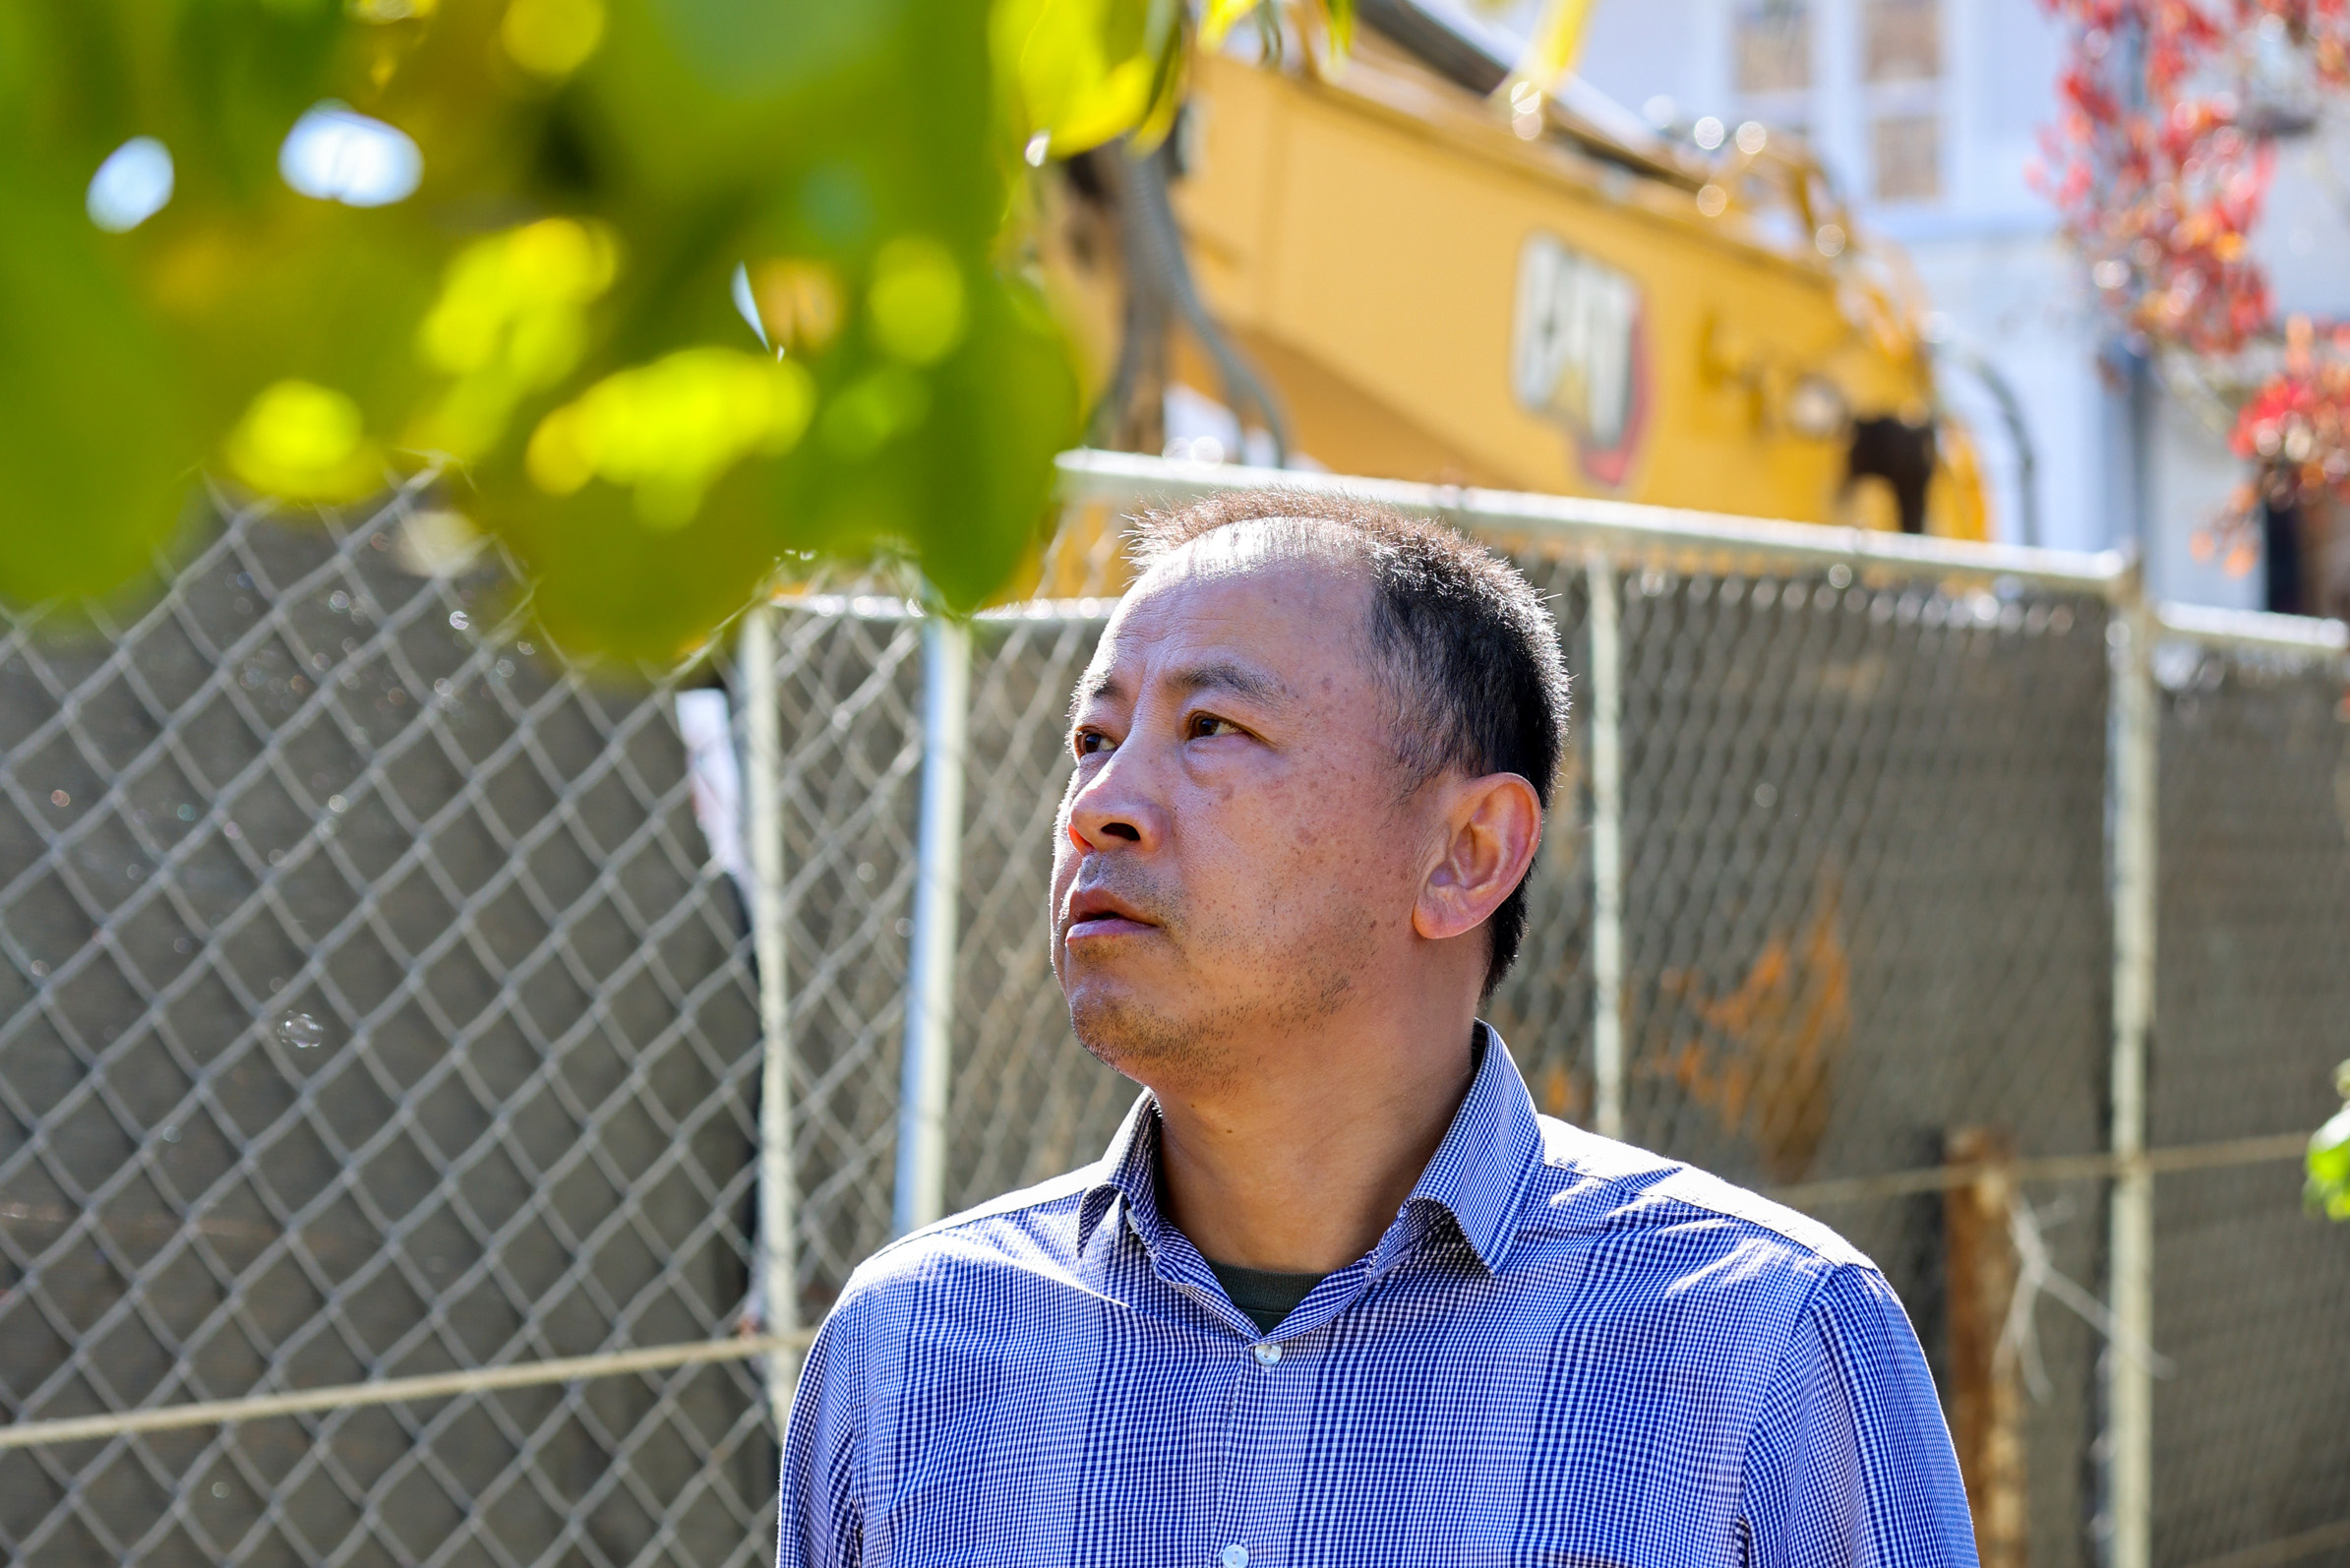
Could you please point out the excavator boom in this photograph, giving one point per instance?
(1554, 300)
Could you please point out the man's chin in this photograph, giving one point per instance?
(1134, 1034)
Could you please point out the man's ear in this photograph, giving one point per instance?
(1492, 826)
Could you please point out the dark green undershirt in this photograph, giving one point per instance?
(1267, 1298)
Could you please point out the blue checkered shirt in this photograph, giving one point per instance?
(1564, 1351)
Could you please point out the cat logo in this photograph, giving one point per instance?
(1578, 353)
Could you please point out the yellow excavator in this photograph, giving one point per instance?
(1391, 267)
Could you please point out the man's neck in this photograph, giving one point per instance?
(1300, 1163)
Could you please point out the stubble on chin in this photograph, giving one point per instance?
(1207, 1049)
(1149, 1045)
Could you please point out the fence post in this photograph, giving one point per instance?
(2130, 1290)
(1986, 1385)
(779, 1196)
(937, 890)
(1607, 707)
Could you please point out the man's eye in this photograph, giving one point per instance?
(1205, 725)
(1092, 743)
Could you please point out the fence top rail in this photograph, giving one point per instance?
(891, 608)
(1616, 526)
(1619, 528)
(2255, 629)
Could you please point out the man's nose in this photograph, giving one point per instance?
(1117, 808)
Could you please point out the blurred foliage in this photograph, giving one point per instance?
(533, 234)
(668, 290)
(1079, 72)
(2328, 1159)
(1555, 44)
(2160, 162)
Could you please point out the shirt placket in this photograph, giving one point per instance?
(1270, 1434)
(1273, 1432)
(1236, 1538)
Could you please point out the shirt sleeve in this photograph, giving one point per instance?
(821, 1523)
(1849, 1462)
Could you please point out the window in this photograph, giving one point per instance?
(1876, 70)
(1901, 71)
(1902, 40)
(1773, 46)
(1906, 149)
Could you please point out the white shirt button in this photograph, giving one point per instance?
(1235, 1555)
(1266, 1355)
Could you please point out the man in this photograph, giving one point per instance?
(1336, 1295)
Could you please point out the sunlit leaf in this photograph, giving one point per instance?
(511, 320)
(917, 300)
(1339, 17)
(1555, 43)
(1085, 72)
(2328, 1164)
(971, 440)
(550, 37)
(303, 442)
(755, 50)
(661, 288)
(604, 582)
(1008, 403)
(668, 431)
(1219, 18)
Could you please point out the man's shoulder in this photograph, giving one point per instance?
(1032, 1232)
(1597, 1182)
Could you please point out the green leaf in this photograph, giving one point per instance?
(1008, 403)
(1086, 71)
(551, 313)
(2328, 1164)
(1222, 17)
(96, 450)
(762, 50)
(956, 471)
(1339, 17)
(606, 583)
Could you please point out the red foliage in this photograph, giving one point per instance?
(2160, 175)
(2157, 183)
(2297, 426)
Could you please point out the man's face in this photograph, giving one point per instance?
(1232, 854)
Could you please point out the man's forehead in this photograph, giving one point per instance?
(1246, 568)
(1262, 543)
(1257, 627)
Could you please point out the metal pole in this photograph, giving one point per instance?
(778, 1194)
(937, 890)
(2128, 1378)
(1607, 848)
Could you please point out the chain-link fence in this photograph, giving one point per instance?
(383, 1003)
(2253, 1429)
(1865, 908)
(368, 1011)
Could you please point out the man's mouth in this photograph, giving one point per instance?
(1096, 915)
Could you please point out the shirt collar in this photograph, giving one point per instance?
(1483, 1169)
(1128, 1168)
(1480, 1175)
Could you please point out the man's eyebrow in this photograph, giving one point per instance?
(1216, 675)
(1227, 675)
(1093, 688)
